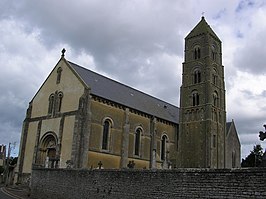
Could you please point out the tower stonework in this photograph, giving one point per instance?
(202, 121)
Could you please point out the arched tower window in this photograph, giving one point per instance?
(106, 132)
(59, 73)
(213, 141)
(137, 141)
(196, 76)
(213, 53)
(195, 98)
(164, 147)
(197, 52)
(51, 104)
(215, 99)
(214, 77)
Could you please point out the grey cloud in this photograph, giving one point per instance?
(244, 4)
(250, 95)
(263, 94)
(251, 57)
(102, 26)
(247, 125)
(121, 36)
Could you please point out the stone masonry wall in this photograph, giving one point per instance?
(179, 183)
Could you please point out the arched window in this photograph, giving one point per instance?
(197, 52)
(195, 98)
(59, 103)
(214, 77)
(213, 141)
(215, 99)
(137, 141)
(233, 159)
(59, 73)
(51, 104)
(106, 131)
(214, 53)
(163, 147)
(196, 76)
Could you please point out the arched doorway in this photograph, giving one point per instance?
(47, 150)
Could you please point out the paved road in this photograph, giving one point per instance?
(4, 195)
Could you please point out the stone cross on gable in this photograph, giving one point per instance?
(63, 52)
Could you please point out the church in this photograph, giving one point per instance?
(81, 119)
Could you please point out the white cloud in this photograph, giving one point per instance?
(247, 95)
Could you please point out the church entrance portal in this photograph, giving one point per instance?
(47, 151)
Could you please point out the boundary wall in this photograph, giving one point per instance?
(176, 183)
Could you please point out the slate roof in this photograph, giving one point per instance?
(107, 88)
(228, 125)
(202, 28)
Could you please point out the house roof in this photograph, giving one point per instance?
(231, 128)
(202, 28)
(109, 89)
(228, 125)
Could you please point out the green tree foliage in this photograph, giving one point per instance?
(254, 159)
(13, 161)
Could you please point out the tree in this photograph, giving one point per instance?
(13, 161)
(254, 159)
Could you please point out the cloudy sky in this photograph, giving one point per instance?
(137, 42)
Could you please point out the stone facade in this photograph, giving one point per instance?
(66, 123)
(180, 183)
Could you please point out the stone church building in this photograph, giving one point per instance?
(81, 119)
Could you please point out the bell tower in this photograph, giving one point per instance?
(202, 121)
